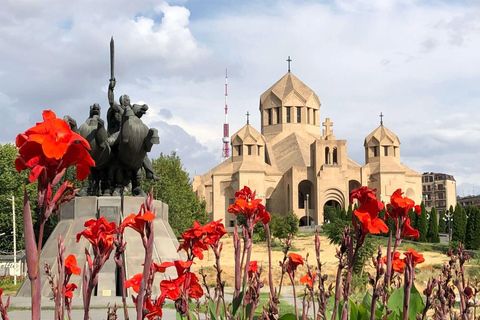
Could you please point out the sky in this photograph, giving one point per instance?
(414, 61)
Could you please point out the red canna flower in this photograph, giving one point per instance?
(306, 279)
(71, 265)
(364, 195)
(249, 207)
(187, 283)
(294, 260)
(163, 266)
(134, 282)
(50, 147)
(369, 221)
(137, 221)
(252, 268)
(397, 264)
(408, 231)
(415, 256)
(154, 309)
(100, 234)
(69, 290)
(400, 206)
(213, 231)
(193, 241)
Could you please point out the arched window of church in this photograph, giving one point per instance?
(289, 109)
(385, 151)
(299, 115)
(327, 155)
(278, 114)
(270, 119)
(375, 151)
(239, 150)
(335, 160)
(301, 201)
(249, 149)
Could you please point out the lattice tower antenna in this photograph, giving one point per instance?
(226, 133)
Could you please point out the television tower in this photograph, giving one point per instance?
(226, 134)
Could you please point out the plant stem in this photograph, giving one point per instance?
(294, 294)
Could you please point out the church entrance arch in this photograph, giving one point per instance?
(334, 200)
(306, 203)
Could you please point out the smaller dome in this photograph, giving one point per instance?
(382, 136)
(248, 135)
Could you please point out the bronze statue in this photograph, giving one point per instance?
(120, 151)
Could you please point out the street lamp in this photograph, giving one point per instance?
(308, 223)
(14, 241)
(447, 217)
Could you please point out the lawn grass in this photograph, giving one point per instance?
(8, 286)
(283, 306)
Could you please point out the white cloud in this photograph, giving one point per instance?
(414, 61)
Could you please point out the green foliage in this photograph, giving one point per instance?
(12, 183)
(472, 237)
(422, 224)
(280, 226)
(174, 189)
(432, 234)
(329, 214)
(459, 225)
(442, 224)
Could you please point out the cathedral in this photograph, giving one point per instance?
(296, 167)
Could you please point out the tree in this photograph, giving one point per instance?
(12, 184)
(472, 237)
(442, 224)
(174, 189)
(422, 223)
(432, 234)
(459, 224)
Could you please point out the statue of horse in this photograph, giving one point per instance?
(135, 140)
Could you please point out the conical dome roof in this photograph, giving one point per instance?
(248, 134)
(382, 135)
(288, 84)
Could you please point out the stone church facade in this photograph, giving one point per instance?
(295, 168)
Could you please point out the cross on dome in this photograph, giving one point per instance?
(248, 117)
(289, 60)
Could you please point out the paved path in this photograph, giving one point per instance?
(98, 311)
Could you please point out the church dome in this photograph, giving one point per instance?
(247, 142)
(288, 84)
(289, 106)
(382, 135)
(382, 144)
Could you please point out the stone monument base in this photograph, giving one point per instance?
(73, 216)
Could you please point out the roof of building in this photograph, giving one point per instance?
(288, 83)
(249, 135)
(381, 133)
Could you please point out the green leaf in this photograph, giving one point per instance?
(212, 308)
(354, 314)
(237, 302)
(288, 316)
(395, 303)
(179, 316)
(367, 301)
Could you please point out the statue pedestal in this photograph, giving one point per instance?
(73, 216)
